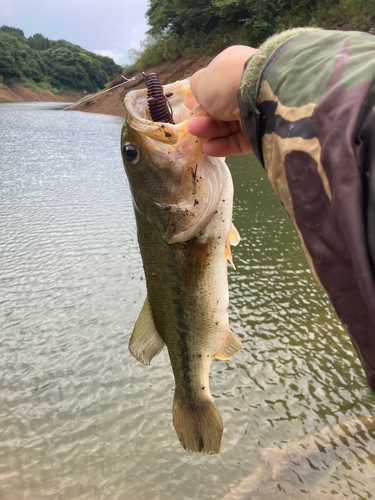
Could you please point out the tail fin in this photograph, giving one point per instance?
(198, 428)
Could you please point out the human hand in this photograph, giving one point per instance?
(215, 88)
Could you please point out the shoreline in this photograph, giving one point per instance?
(15, 92)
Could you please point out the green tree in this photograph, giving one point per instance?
(71, 66)
(39, 42)
(57, 63)
(10, 56)
(181, 16)
(12, 31)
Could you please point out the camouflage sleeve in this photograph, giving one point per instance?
(307, 108)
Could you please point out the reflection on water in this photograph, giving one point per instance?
(79, 417)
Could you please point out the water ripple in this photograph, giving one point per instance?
(79, 417)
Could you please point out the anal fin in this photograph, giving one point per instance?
(231, 347)
(145, 342)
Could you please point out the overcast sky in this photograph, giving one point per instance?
(107, 27)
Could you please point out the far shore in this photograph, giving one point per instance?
(16, 92)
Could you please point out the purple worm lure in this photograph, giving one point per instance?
(158, 104)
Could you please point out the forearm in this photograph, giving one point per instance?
(247, 93)
(306, 106)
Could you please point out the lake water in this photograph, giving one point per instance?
(80, 418)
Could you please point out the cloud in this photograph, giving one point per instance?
(114, 54)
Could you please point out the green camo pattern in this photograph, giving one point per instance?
(307, 108)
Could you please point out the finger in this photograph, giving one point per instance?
(235, 144)
(209, 128)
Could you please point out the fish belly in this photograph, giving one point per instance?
(188, 294)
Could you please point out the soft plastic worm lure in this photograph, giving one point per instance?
(158, 104)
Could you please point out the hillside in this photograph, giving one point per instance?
(52, 65)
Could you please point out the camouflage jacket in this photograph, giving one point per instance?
(307, 108)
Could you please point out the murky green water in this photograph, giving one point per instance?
(79, 417)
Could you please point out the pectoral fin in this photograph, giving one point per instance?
(145, 342)
(231, 347)
(228, 253)
(234, 236)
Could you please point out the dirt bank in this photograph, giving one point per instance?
(112, 102)
(15, 92)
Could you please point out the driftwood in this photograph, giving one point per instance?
(274, 460)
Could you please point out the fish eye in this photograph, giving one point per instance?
(131, 154)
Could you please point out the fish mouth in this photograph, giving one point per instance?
(180, 204)
(181, 102)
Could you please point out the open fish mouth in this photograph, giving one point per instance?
(173, 157)
(181, 103)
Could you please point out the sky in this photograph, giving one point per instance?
(107, 27)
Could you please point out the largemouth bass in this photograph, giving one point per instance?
(183, 208)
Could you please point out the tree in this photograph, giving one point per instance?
(10, 58)
(181, 16)
(12, 31)
(39, 42)
(58, 63)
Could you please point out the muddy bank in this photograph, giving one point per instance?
(168, 72)
(15, 92)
